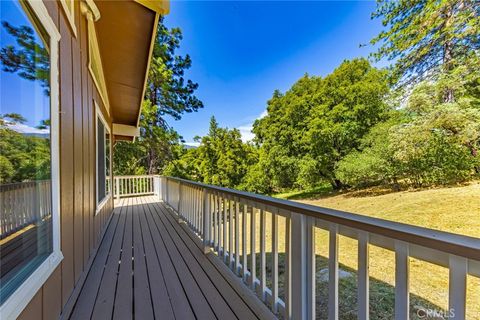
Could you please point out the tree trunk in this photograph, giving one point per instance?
(449, 95)
(336, 184)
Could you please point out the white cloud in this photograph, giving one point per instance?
(246, 130)
(192, 144)
(263, 114)
(23, 128)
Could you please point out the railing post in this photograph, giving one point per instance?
(206, 221)
(302, 282)
(156, 186)
(179, 198)
(167, 197)
(363, 276)
(402, 301)
(457, 292)
(333, 272)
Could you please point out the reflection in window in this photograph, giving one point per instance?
(103, 159)
(25, 153)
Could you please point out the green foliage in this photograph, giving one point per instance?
(425, 38)
(351, 102)
(221, 159)
(152, 151)
(167, 94)
(166, 87)
(23, 157)
(28, 58)
(319, 121)
(348, 128)
(362, 168)
(6, 170)
(428, 142)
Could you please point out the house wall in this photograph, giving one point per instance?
(81, 228)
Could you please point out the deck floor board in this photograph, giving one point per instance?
(150, 267)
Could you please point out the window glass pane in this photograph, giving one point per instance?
(107, 162)
(101, 160)
(25, 154)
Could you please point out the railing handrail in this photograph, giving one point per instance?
(460, 245)
(21, 184)
(136, 176)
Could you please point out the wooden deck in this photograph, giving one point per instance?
(150, 266)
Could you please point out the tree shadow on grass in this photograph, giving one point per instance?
(382, 294)
(310, 194)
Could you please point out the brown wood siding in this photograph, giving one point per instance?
(81, 228)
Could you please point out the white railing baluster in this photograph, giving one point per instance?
(457, 291)
(199, 210)
(191, 206)
(263, 260)
(287, 283)
(237, 236)
(224, 224)
(244, 244)
(402, 299)
(274, 262)
(333, 273)
(311, 268)
(230, 234)
(220, 226)
(206, 221)
(215, 222)
(253, 275)
(194, 208)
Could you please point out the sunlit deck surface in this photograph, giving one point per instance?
(150, 266)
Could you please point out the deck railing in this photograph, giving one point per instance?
(129, 186)
(226, 220)
(22, 204)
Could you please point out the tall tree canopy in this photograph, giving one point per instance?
(425, 38)
(28, 58)
(221, 158)
(317, 122)
(168, 93)
(167, 88)
(23, 157)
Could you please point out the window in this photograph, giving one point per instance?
(103, 159)
(29, 152)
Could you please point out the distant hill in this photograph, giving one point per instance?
(38, 135)
(189, 146)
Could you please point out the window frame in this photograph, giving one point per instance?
(18, 300)
(99, 115)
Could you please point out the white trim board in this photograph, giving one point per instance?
(15, 304)
(70, 14)
(125, 130)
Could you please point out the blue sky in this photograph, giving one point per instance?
(17, 94)
(243, 51)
